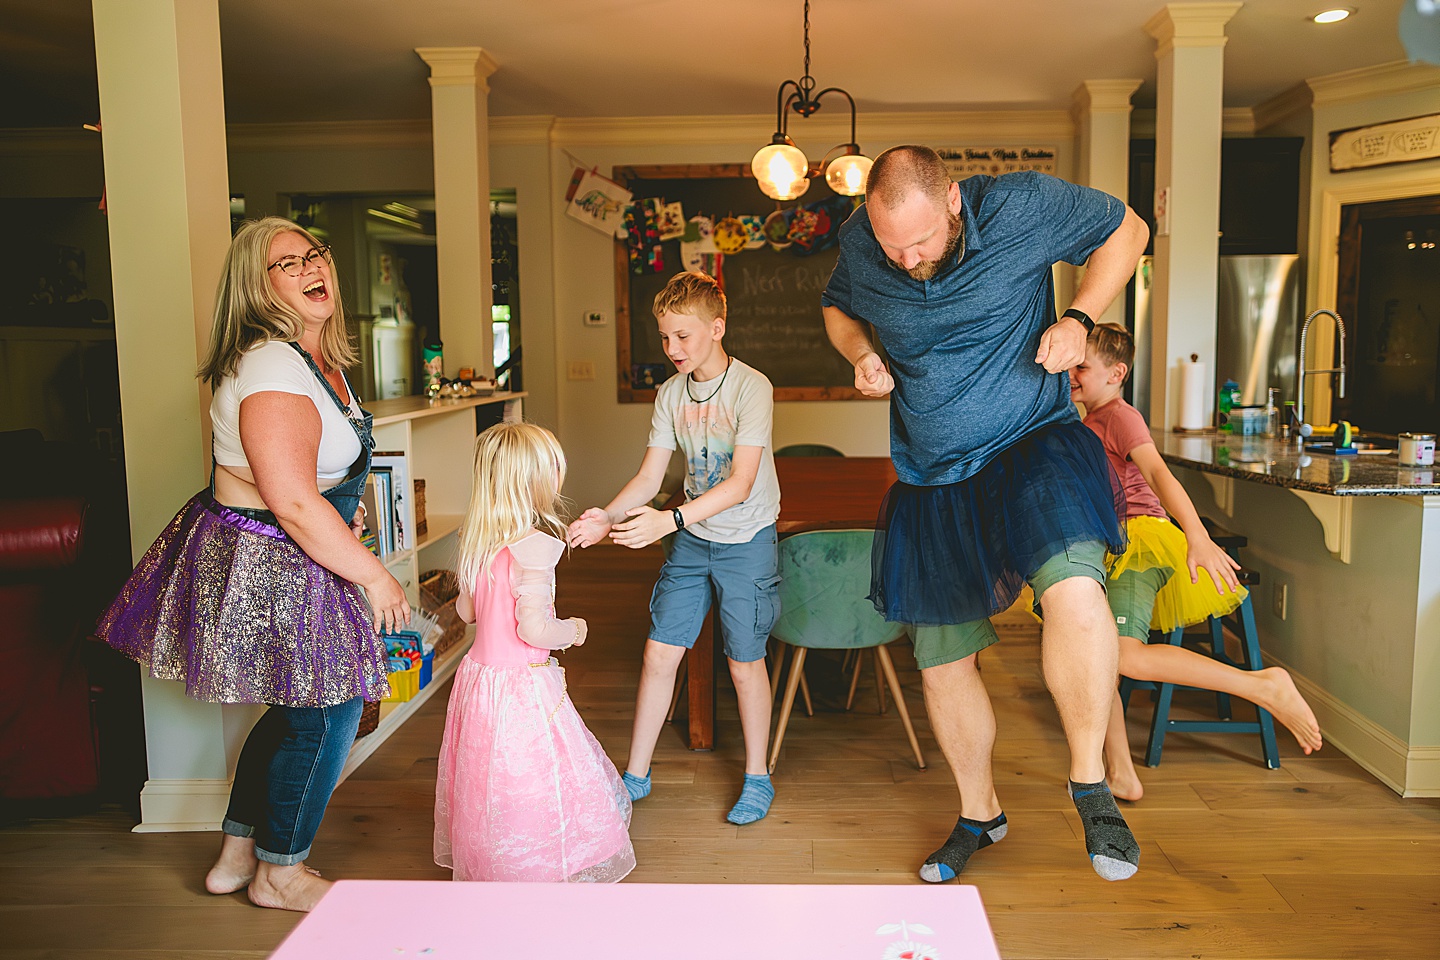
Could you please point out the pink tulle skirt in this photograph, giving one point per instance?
(524, 792)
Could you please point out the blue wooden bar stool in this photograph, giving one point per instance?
(1242, 624)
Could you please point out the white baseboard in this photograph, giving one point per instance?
(1409, 771)
(1422, 772)
(175, 806)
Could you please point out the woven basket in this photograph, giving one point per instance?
(438, 590)
(369, 720)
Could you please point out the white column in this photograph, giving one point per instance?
(163, 114)
(460, 113)
(1191, 54)
(1102, 121)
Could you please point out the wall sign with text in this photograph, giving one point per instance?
(1399, 141)
(965, 162)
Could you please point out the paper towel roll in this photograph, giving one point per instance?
(1192, 387)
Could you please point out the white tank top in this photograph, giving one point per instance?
(277, 366)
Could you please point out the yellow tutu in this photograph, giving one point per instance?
(1159, 544)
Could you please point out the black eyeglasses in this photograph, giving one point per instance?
(294, 266)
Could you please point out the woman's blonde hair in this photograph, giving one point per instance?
(519, 469)
(247, 311)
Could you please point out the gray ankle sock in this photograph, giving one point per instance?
(967, 837)
(1113, 851)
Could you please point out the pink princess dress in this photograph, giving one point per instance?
(524, 791)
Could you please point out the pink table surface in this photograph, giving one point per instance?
(436, 920)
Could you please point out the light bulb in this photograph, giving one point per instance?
(846, 175)
(780, 169)
(1332, 16)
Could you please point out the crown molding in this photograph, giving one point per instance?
(1365, 83)
(1234, 122)
(521, 131)
(48, 141)
(875, 129)
(887, 128)
(334, 134)
(1283, 106)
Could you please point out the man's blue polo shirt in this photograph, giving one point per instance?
(962, 345)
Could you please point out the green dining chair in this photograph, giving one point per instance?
(808, 450)
(825, 576)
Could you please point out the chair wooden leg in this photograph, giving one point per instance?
(854, 681)
(797, 664)
(777, 665)
(805, 693)
(879, 683)
(899, 697)
(681, 680)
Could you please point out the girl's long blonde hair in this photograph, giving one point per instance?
(247, 311)
(519, 469)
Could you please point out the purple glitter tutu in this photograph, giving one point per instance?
(233, 607)
(962, 551)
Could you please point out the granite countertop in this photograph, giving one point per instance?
(1282, 463)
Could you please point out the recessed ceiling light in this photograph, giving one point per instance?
(1332, 16)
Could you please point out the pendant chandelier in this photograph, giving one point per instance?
(782, 169)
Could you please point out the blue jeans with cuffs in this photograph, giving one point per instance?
(287, 771)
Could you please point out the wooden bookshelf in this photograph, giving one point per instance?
(437, 438)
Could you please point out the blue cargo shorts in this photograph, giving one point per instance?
(745, 578)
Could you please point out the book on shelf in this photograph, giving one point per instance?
(370, 536)
(401, 495)
(385, 515)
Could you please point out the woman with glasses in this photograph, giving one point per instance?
(252, 594)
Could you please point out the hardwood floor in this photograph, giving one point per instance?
(1314, 860)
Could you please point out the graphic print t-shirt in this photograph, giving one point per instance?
(740, 414)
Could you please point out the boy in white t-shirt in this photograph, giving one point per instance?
(717, 411)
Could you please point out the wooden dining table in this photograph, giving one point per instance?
(816, 493)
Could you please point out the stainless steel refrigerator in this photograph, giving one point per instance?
(1257, 326)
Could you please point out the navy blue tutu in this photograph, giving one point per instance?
(963, 551)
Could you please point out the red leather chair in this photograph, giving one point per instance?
(47, 734)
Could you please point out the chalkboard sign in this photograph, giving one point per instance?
(773, 322)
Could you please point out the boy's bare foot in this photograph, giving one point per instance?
(234, 868)
(1284, 701)
(1125, 786)
(294, 887)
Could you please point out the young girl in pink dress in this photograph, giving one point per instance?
(524, 791)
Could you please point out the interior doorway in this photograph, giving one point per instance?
(1389, 294)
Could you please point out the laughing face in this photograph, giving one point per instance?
(311, 293)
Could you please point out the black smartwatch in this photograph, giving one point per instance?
(1083, 317)
(679, 518)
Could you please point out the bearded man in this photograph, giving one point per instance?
(999, 482)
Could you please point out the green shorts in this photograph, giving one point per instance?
(938, 645)
(1132, 600)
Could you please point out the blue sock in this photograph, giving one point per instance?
(637, 787)
(754, 800)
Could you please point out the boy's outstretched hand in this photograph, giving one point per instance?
(1220, 565)
(645, 526)
(589, 528)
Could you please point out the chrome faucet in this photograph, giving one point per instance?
(1302, 428)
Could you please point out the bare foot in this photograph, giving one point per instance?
(234, 868)
(295, 887)
(1289, 707)
(1126, 786)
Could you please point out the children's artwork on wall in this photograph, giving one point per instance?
(730, 236)
(672, 221)
(754, 231)
(597, 201)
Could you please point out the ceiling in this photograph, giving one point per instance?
(317, 60)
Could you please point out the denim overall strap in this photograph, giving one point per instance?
(345, 495)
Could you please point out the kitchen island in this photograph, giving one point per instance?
(1348, 550)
